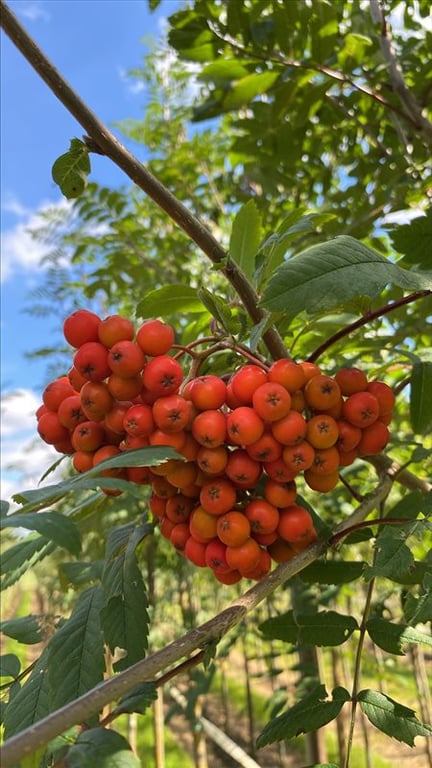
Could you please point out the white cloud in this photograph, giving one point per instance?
(133, 85)
(20, 251)
(33, 11)
(24, 456)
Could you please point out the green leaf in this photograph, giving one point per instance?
(139, 457)
(23, 556)
(247, 88)
(10, 665)
(218, 307)
(328, 275)
(246, 237)
(31, 702)
(169, 299)
(392, 637)
(393, 557)
(420, 398)
(78, 573)
(328, 572)
(325, 628)
(26, 629)
(51, 525)
(223, 70)
(103, 748)
(418, 610)
(392, 718)
(70, 170)
(76, 650)
(138, 700)
(309, 714)
(414, 240)
(125, 619)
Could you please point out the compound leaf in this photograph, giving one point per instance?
(309, 714)
(125, 619)
(393, 637)
(54, 526)
(31, 702)
(76, 650)
(392, 718)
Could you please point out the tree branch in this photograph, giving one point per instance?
(367, 318)
(399, 86)
(39, 734)
(106, 143)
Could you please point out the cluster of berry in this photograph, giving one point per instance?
(230, 502)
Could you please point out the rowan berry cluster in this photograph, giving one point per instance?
(231, 502)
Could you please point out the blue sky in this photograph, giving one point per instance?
(93, 43)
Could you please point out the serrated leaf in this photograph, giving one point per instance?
(169, 298)
(31, 702)
(309, 714)
(282, 627)
(124, 616)
(332, 572)
(76, 651)
(418, 610)
(420, 397)
(78, 573)
(245, 237)
(52, 525)
(137, 700)
(26, 629)
(70, 170)
(103, 748)
(328, 275)
(324, 628)
(393, 637)
(393, 557)
(392, 718)
(10, 665)
(23, 556)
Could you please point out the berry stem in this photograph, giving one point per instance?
(367, 318)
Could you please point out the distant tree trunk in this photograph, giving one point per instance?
(158, 729)
(338, 680)
(316, 751)
(423, 691)
(200, 746)
(132, 731)
(249, 700)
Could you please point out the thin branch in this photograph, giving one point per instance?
(333, 74)
(80, 710)
(399, 86)
(106, 143)
(367, 318)
(385, 464)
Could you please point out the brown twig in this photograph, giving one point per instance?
(367, 318)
